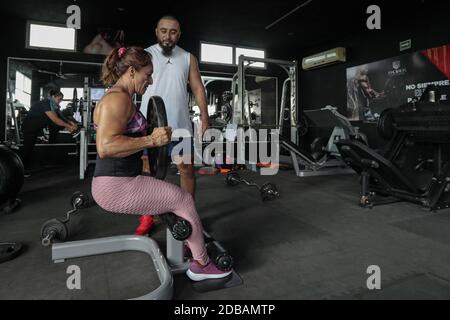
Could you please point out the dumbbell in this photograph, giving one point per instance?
(218, 254)
(180, 228)
(268, 190)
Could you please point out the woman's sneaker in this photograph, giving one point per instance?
(197, 272)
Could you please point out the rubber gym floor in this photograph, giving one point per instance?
(314, 242)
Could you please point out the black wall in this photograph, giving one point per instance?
(13, 45)
(428, 27)
(327, 86)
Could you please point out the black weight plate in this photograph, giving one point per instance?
(9, 251)
(157, 118)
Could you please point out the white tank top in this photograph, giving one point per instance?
(170, 79)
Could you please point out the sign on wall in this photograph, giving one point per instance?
(389, 83)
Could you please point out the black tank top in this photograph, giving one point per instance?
(130, 166)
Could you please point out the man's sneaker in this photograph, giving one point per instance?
(197, 272)
(146, 223)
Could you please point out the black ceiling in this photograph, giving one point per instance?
(236, 22)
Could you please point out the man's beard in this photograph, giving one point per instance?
(167, 49)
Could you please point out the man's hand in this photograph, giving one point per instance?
(196, 84)
(72, 128)
(205, 124)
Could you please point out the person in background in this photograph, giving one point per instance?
(44, 114)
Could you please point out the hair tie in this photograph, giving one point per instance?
(122, 51)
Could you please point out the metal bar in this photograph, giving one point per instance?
(175, 254)
(288, 14)
(293, 74)
(84, 138)
(10, 102)
(233, 92)
(82, 153)
(241, 91)
(299, 154)
(64, 61)
(295, 163)
(282, 108)
(265, 60)
(85, 248)
(208, 80)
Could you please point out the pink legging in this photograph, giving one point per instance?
(143, 195)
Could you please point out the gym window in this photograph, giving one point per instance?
(68, 96)
(255, 53)
(215, 53)
(47, 36)
(228, 55)
(23, 89)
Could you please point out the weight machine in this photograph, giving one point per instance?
(14, 138)
(324, 157)
(87, 133)
(305, 164)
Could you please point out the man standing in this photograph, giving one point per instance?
(173, 69)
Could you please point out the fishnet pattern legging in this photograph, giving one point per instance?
(144, 195)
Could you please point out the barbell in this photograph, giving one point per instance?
(268, 191)
(63, 228)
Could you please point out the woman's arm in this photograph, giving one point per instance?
(112, 119)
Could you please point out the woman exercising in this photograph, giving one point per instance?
(118, 185)
(43, 114)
